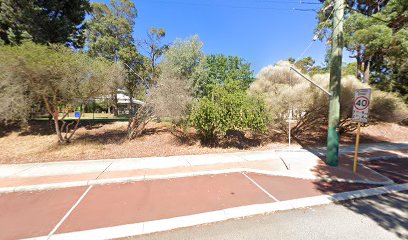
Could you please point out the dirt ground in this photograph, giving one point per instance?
(108, 141)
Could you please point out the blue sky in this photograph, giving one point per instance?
(260, 31)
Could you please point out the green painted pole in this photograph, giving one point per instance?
(333, 136)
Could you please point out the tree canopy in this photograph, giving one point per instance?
(376, 34)
(45, 22)
(219, 69)
(109, 29)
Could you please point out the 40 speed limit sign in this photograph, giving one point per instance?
(360, 105)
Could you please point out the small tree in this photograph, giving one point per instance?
(57, 76)
(173, 94)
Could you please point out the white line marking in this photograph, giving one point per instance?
(263, 190)
(221, 215)
(69, 212)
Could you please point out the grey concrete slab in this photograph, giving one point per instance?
(64, 168)
(148, 163)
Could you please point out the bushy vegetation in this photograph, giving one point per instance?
(43, 63)
(310, 105)
(53, 76)
(209, 91)
(171, 96)
(228, 107)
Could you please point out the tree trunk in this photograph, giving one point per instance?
(367, 70)
(52, 109)
(138, 123)
(115, 105)
(131, 103)
(58, 130)
(359, 64)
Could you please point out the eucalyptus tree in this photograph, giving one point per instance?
(154, 49)
(110, 35)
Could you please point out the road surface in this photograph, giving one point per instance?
(380, 217)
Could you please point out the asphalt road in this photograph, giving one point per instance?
(379, 217)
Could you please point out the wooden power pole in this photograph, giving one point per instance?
(333, 137)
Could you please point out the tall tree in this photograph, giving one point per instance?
(375, 33)
(55, 21)
(154, 49)
(109, 29)
(109, 35)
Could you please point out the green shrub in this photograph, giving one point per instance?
(228, 107)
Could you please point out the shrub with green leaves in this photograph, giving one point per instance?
(228, 107)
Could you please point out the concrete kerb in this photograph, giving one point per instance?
(90, 166)
(222, 215)
(364, 148)
(93, 166)
(52, 186)
(8, 170)
(372, 158)
(117, 165)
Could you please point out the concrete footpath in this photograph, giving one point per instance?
(103, 199)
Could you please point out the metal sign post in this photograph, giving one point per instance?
(360, 115)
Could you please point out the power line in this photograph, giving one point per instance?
(371, 16)
(314, 38)
(208, 4)
(290, 2)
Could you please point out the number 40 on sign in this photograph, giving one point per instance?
(361, 104)
(360, 115)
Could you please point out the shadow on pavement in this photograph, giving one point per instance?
(388, 211)
(396, 169)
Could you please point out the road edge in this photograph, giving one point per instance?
(222, 215)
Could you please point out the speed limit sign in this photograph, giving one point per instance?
(360, 105)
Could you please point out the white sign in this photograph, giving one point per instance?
(361, 104)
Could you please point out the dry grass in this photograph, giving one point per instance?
(108, 141)
(373, 133)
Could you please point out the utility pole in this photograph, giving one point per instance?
(333, 137)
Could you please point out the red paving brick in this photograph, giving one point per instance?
(119, 204)
(286, 188)
(26, 181)
(33, 214)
